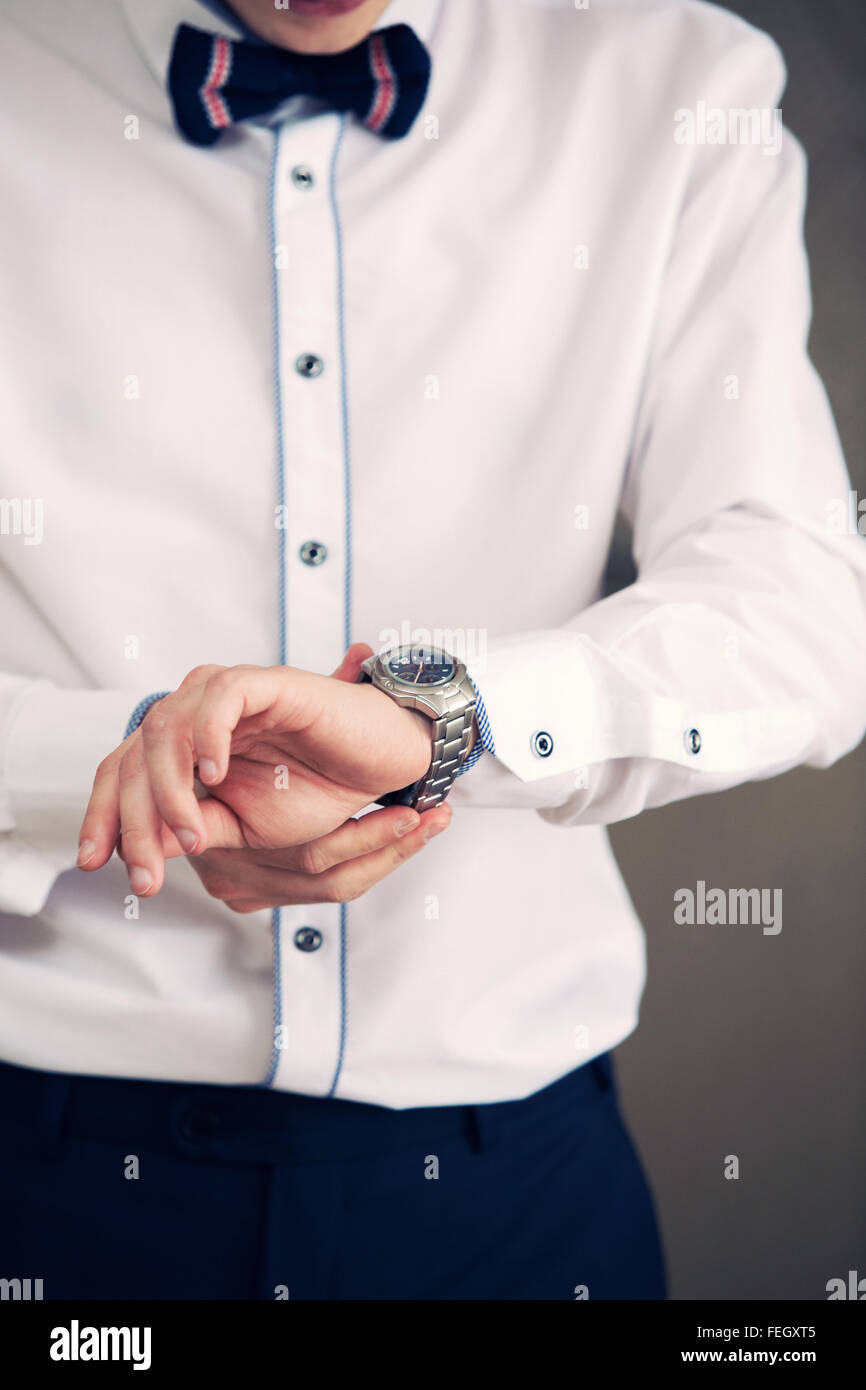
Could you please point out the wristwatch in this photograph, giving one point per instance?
(427, 679)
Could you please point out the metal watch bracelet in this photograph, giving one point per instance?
(450, 733)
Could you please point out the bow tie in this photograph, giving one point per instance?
(214, 81)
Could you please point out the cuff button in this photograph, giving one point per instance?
(692, 740)
(542, 744)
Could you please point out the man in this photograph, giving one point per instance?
(309, 353)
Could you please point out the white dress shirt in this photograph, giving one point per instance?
(538, 307)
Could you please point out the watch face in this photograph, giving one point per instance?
(420, 666)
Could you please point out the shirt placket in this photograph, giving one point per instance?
(311, 531)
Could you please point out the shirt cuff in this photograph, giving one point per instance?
(52, 742)
(561, 703)
(484, 741)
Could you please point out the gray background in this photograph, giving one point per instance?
(748, 1044)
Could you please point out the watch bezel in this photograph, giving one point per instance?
(424, 698)
(386, 675)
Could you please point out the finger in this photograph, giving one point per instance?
(222, 827)
(140, 825)
(169, 759)
(239, 876)
(167, 739)
(241, 692)
(222, 831)
(355, 837)
(349, 668)
(252, 887)
(199, 675)
(101, 824)
(100, 828)
(168, 752)
(355, 877)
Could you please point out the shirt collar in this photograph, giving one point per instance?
(153, 23)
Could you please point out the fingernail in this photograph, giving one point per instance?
(437, 828)
(187, 839)
(207, 770)
(405, 826)
(86, 851)
(139, 880)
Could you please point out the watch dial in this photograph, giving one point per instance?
(421, 666)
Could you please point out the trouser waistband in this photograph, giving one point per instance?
(251, 1124)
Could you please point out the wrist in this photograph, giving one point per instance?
(423, 736)
(407, 733)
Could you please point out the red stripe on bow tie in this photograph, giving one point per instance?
(385, 94)
(218, 74)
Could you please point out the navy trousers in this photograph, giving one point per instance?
(146, 1189)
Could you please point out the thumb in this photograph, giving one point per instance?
(350, 666)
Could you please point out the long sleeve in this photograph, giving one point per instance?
(51, 741)
(740, 651)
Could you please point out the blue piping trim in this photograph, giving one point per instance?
(344, 397)
(484, 742)
(276, 916)
(135, 719)
(343, 1002)
(347, 536)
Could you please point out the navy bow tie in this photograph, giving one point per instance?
(214, 81)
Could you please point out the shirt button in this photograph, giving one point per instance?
(542, 744)
(302, 176)
(308, 364)
(308, 939)
(313, 552)
(692, 740)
